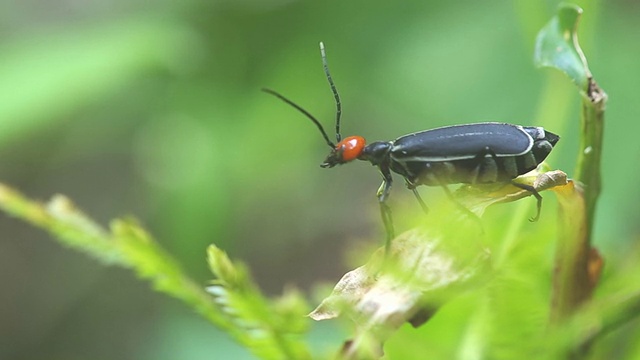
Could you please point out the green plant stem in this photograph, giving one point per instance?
(557, 47)
(588, 164)
(619, 310)
(593, 322)
(571, 281)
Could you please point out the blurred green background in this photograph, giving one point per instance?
(154, 109)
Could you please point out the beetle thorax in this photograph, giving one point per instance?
(376, 152)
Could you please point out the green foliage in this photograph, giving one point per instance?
(238, 307)
(557, 46)
(269, 329)
(495, 293)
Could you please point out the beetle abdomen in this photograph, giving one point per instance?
(470, 171)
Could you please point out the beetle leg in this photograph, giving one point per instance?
(385, 210)
(487, 151)
(463, 208)
(411, 186)
(424, 206)
(533, 192)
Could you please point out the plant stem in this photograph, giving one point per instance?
(573, 282)
(588, 165)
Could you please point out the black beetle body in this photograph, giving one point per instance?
(479, 153)
(474, 154)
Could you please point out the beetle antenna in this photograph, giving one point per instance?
(333, 90)
(299, 108)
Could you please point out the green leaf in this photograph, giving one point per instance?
(557, 46)
(270, 329)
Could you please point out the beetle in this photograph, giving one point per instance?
(480, 153)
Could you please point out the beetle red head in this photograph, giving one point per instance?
(349, 149)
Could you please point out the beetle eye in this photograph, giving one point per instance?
(350, 148)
